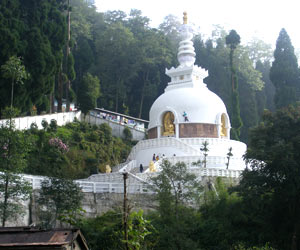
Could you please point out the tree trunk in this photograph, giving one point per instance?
(117, 100)
(60, 91)
(117, 95)
(294, 241)
(125, 212)
(4, 215)
(12, 94)
(231, 69)
(296, 222)
(145, 80)
(67, 55)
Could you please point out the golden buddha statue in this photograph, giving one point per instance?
(152, 167)
(223, 132)
(107, 169)
(168, 124)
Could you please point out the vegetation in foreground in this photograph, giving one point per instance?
(261, 213)
(74, 151)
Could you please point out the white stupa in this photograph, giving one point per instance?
(186, 116)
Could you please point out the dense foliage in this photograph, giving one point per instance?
(13, 189)
(58, 199)
(35, 31)
(129, 58)
(232, 41)
(74, 151)
(261, 212)
(284, 72)
(271, 188)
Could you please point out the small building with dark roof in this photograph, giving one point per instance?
(24, 238)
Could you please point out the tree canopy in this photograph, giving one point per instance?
(284, 72)
(270, 188)
(129, 57)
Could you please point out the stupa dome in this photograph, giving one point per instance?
(199, 103)
(188, 109)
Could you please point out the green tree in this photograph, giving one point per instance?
(151, 50)
(127, 134)
(284, 72)
(233, 40)
(212, 55)
(58, 199)
(38, 41)
(89, 91)
(115, 52)
(170, 28)
(265, 98)
(14, 70)
(175, 187)
(241, 247)
(103, 232)
(270, 189)
(259, 51)
(13, 188)
(205, 150)
(138, 230)
(229, 155)
(221, 222)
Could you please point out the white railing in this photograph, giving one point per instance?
(113, 182)
(102, 187)
(118, 167)
(130, 121)
(111, 185)
(129, 166)
(23, 123)
(200, 172)
(163, 142)
(35, 181)
(115, 121)
(110, 178)
(211, 161)
(214, 172)
(238, 147)
(117, 127)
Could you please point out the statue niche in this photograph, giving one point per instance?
(168, 124)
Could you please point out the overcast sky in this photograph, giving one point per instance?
(256, 18)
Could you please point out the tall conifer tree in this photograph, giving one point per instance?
(233, 40)
(284, 72)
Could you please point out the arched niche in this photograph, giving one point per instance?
(168, 124)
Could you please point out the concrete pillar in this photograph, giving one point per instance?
(177, 130)
(158, 131)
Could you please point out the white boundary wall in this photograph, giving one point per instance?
(23, 123)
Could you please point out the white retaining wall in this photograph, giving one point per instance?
(117, 128)
(23, 123)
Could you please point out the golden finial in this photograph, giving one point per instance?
(185, 17)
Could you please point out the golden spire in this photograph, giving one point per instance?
(185, 17)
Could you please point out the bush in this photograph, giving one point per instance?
(53, 125)
(45, 124)
(127, 135)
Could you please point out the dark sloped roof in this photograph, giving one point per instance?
(27, 236)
